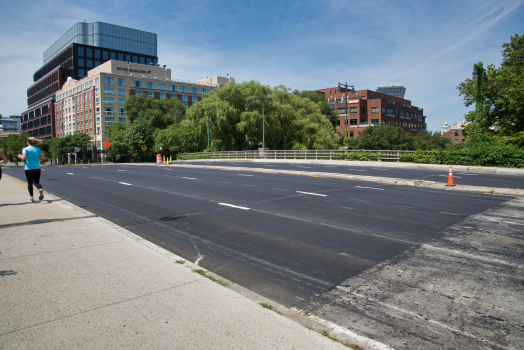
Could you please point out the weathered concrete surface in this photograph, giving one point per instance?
(388, 180)
(465, 291)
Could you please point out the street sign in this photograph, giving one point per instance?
(107, 144)
(144, 147)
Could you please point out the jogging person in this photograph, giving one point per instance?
(3, 159)
(32, 156)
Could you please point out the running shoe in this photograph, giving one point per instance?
(41, 191)
(31, 199)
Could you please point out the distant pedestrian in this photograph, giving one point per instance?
(3, 159)
(32, 156)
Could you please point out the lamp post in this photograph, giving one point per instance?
(263, 118)
(480, 73)
(346, 86)
(208, 109)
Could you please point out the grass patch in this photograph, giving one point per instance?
(203, 273)
(349, 345)
(270, 307)
(180, 261)
(491, 191)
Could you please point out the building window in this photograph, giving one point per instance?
(97, 63)
(121, 111)
(109, 100)
(109, 120)
(148, 61)
(204, 91)
(137, 83)
(121, 82)
(194, 90)
(121, 101)
(151, 94)
(142, 60)
(374, 122)
(184, 98)
(128, 58)
(121, 92)
(122, 120)
(113, 55)
(353, 109)
(173, 95)
(97, 53)
(162, 95)
(109, 81)
(138, 92)
(80, 51)
(352, 122)
(105, 55)
(456, 133)
(81, 62)
(81, 73)
(89, 52)
(351, 134)
(109, 91)
(89, 63)
(374, 109)
(185, 105)
(150, 85)
(194, 99)
(109, 110)
(161, 86)
(183, 88)
(172, 88)
(135, 59)
(120, 56)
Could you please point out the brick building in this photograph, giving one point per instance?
(453, 132)
(371, 108)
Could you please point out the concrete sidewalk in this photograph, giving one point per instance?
(69, 279)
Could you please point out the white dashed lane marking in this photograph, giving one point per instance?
(233, 206)
(124, 183)
(70, 174)
(189, 178)
(371, 188)
(244, 175)
(313, 194)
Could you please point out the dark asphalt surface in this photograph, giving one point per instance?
(289, 238)
(469, 179)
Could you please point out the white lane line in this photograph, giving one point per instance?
(244, 175)
(356, 169)
(458, 177)
(299, 298)
(379, 169)
(120, 170)
(371, 188)
(402, 206)
(233, 206)
(443, 212)
(189, 178)
(359, 200)
(125, 183)
(330, 166)
(313, 194)
(281, 189)
(291, 217)
(70, 174)
(468, 174)
(249, 185)
(167, 169)
(269, 165)
(300, 166)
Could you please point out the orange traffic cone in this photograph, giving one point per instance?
(450, 178)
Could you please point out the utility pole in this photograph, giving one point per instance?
(346, 86)
(263, 118)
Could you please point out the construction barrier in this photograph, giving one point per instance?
(159, 159)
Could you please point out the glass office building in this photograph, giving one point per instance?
(107, 36)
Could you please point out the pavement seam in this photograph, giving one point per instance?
(100, 307)
(60, 250)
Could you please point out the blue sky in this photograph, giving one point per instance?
(427, 46)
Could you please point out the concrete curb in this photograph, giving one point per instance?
(376, 179)
(309, 321)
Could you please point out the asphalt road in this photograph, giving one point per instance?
(289, 238)
(470, 179)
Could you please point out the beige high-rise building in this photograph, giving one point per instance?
(93, 103)
(216, 81)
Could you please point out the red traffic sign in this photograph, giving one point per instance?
(107, 144)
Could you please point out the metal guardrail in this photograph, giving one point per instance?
(385, 155)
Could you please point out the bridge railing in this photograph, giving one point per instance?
(383, 155)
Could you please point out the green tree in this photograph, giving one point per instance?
(13, 145)
(322, 102)
(117, 135)
(385, 137)
(139, 134)
(174, 140)
(503, 89)
(428, 140)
